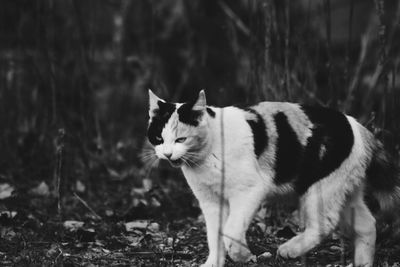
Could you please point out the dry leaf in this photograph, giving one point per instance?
(140, 224)
(73, 225)
(80, 187)
(41, 190)
(8, 214)
(6, 190)
(266, 255)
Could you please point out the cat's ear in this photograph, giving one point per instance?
(153, 102)
(201, 102)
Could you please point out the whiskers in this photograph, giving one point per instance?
(191, 159)
(150, 160)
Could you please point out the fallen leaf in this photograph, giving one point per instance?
(140, 224)
(8, 214)
(266, 255)
(6, 190)
(53, 250)
(134, 241)
(109, 213)
(41, 190)
(73, 225)
(262, 226)
(7, 233)
(114, 175)
(147, 184)
(335, 248)
(80, 187)
(155, 203)
(154, 227)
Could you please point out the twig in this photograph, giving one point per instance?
(360, 64)
(352, 221)
(349, 41)
(239, 23)
(327, 9)
(167, 255)
(58, 172)
(287, 35)
(222, 189)
(88, 207)
(380, 9)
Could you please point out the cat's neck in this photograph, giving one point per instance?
(226, 132)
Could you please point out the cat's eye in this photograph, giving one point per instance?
(180, 140)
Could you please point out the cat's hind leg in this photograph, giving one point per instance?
(320, 213)
(360, 221)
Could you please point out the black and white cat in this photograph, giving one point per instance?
(327, 159)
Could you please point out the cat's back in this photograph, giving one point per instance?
(302, 119)
(314, 141)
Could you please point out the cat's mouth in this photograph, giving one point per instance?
(176, 163)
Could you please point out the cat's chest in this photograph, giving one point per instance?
(237, 175)
(209, 175)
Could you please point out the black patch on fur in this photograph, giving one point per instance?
(330, 144)
(160, 118)
(210, 112)
(188, 115)
(259, 132)
(288, 151)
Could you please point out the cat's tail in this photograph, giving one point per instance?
(383, 180)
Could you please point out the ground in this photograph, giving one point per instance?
(153, 229)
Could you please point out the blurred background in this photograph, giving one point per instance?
(74, 77)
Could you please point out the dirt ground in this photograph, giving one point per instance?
(142, 227)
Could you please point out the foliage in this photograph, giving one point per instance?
(73, 94)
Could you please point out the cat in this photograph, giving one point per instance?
(330, 162)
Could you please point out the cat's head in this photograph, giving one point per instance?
(179, 131)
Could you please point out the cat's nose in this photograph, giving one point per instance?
(168, 155)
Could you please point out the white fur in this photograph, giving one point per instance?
(248, 180)
(322, 207)
(245, 185)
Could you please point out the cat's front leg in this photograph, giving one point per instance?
(243, 207)
(211, 210)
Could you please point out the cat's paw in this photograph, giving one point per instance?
(240, 253)
(213, 263)
(290, 249)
